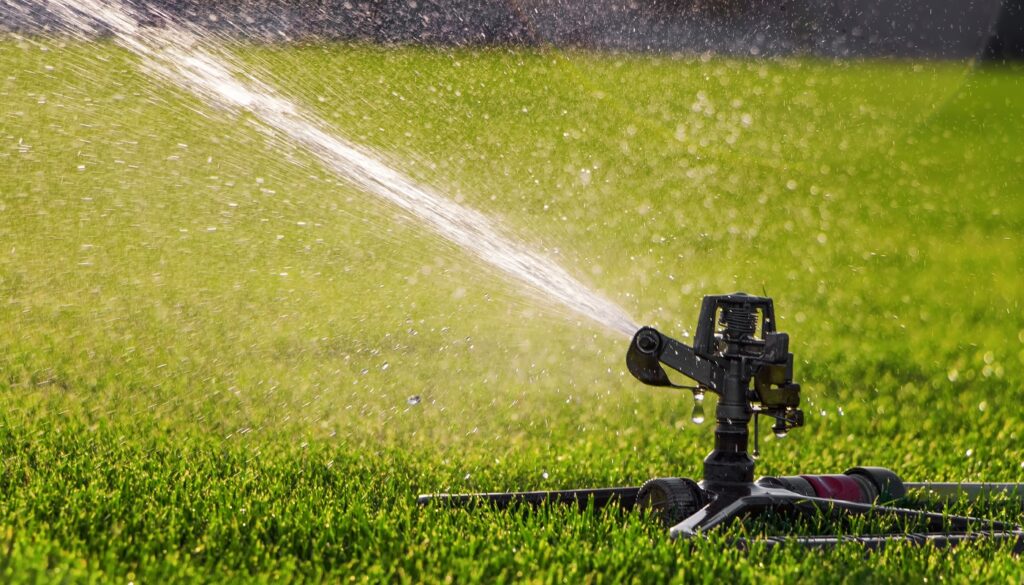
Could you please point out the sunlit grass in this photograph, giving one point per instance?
(210, 342)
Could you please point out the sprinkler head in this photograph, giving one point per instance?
(737, 354)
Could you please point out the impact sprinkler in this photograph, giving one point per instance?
(739, 355)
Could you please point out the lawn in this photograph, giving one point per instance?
(219, 361)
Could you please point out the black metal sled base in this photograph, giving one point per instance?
(692, 509)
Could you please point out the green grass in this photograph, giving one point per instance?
(178, 401)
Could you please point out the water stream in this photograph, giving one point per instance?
(179, 55)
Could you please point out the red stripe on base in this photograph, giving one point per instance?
(836, 487)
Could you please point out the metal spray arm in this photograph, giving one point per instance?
(650, 349)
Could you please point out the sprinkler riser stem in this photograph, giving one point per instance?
(729, 462)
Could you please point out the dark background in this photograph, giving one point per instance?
(1007, 42)
(952, 29)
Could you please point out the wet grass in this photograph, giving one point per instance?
(210, 343)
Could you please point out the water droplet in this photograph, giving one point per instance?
(697, 415)
(544, 475)
(969, 452)
(413, 400)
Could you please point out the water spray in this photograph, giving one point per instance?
(178, 54)
(739, 355)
